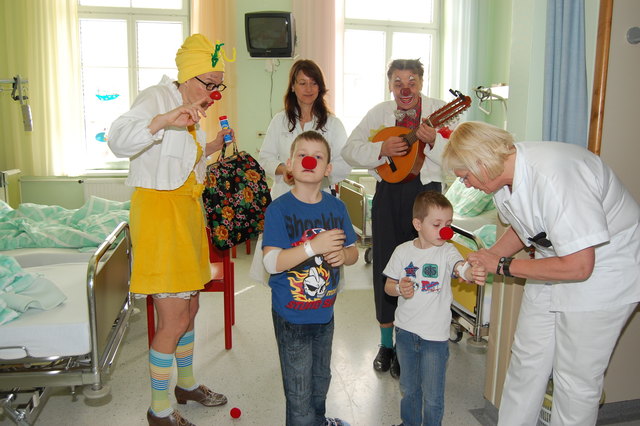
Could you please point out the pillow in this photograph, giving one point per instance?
(468, 201)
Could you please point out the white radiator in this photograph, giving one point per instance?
(107, 188)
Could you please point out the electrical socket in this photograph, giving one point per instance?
(271, 65)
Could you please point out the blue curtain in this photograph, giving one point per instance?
(565, 115)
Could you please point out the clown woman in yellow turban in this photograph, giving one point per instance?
(167, 152)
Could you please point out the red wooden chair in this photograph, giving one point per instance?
(223, 279)
(247, 249)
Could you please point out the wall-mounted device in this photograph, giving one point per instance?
(19, 93)
(270, 34)
(499, 92)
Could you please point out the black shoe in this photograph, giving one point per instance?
(395, 366)
(383, 359)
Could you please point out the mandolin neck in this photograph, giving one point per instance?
(411, 137)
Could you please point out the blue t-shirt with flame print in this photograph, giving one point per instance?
(306, 293)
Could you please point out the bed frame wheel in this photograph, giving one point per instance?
(455, 333)
(477, 345)
(90, 393)
(368, 255)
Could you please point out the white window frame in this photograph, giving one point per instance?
(132, 15)
(389, 27)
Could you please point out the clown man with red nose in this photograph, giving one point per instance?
(391, 210)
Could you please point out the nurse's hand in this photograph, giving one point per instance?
(485, 258)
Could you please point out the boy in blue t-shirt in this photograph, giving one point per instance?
(307, 236)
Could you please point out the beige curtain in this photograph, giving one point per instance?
(39, 41)
(216, 19)
(319, 28)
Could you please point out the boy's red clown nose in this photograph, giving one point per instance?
(309, 163)
(446, 233)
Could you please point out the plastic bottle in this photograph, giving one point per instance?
(224, 123)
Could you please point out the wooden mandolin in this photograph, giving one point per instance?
(406, 167)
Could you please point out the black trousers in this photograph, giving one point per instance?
(391, 215)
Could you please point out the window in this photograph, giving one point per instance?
(375, 33)
(126, 46)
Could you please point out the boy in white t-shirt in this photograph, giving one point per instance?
(419, 273)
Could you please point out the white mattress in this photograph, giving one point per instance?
(61, 331)
(29, 257)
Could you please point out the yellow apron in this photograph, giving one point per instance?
(170, 247)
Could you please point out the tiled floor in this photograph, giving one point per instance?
(249, 373)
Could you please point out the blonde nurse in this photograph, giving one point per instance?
(167, 151)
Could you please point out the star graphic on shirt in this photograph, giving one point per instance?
(411, 270)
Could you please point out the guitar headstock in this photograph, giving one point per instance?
(450, 110)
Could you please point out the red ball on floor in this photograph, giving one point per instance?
(235, 412)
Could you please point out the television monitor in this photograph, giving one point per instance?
(270, 34)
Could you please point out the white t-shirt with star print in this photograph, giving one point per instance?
(428, 312)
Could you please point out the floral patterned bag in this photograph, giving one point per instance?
(235, 198)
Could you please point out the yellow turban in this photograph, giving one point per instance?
(198, 56)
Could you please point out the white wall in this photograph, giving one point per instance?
(258, 96)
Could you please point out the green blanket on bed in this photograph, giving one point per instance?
(21, 290)
(35, 225)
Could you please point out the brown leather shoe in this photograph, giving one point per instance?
(175, 419)
(201, 394)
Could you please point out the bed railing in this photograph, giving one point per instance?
(461, 318)
(110, 306)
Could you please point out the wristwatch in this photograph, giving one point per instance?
(503, 266)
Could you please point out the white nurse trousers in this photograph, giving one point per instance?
(576, 346)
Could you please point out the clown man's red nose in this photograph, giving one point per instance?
(405, 92)
(309, 163)
(446, 233)
(216, 95)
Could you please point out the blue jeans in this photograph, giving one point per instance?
(423, 364)
(305, 361)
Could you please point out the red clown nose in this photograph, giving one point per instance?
(405, 92)
(215, 95)
(309, 163)
(446, 233)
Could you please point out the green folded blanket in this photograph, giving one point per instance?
(42, 226)
(20, 290)
(468, 201)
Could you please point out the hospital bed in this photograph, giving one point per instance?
(474, 221)
(471, 305)
(75, 343)
(358, 204)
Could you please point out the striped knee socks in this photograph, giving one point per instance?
(184, 360)
(160, 370)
